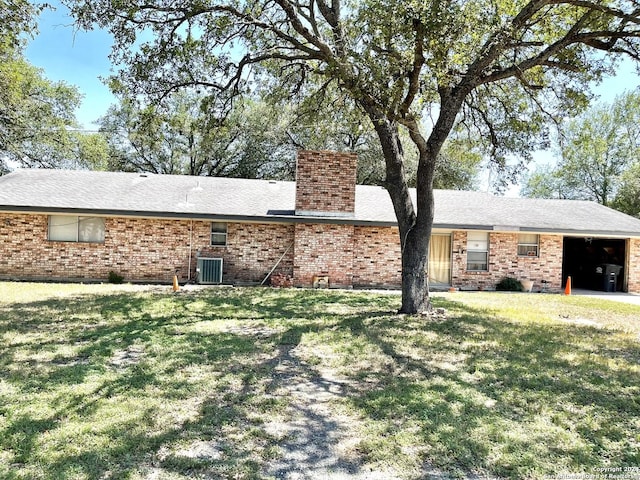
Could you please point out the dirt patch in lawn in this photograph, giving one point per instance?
(318, 439)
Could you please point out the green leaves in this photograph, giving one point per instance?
(627, 199)
(35, 116)
(598, 150)
(397, 56)
(17, 19)
(186, 136)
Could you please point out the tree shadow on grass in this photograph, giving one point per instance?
(140, 384)
(312, 431)
(191, 385)
(496, 397)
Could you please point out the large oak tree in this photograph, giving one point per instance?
(498, 66)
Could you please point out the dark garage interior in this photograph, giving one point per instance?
(594, 263)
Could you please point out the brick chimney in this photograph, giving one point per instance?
(326, 183)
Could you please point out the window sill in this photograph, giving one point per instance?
(75, 242)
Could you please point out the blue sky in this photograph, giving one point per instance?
(80, 58)
(76, 57)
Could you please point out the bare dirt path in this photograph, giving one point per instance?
(318, 440)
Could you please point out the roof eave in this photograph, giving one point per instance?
(195, 216)
(583, 233)
(544, 230)
(304, 219)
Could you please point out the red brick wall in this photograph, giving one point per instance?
(141, 250)
(145, 250)
(154, 250)
(349, 256)
(325, 182)
(377, 262)
(633, 276)
(505, 262)
(323, 249)
(252, 250)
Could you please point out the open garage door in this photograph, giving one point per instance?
(590, 262)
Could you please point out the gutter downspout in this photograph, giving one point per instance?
(190, 251)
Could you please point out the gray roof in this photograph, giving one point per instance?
(149, 195)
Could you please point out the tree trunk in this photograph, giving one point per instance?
(415, 283)
(414, 229)
(415, 223)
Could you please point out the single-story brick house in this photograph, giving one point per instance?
(81, 225)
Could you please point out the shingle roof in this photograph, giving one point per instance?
(134, 194)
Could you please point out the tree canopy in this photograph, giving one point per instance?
(17, 21)
(36, 114)
(627, 199)
(597, 152)
(257, 139)
(499, 67)
(182, 138)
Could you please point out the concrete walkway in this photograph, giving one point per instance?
(621, 297)
(614, 296)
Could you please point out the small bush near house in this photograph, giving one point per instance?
(509, 284)
(115, 277)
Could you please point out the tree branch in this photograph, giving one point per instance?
(514, 70)
(418, 63)
(297, 25)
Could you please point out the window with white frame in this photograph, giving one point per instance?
(478, 251)
(528, 245)
(218, 234)
(73, 228)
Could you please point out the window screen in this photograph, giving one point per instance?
(218, 234)
(528, 245)
(63, 228)
(70, 228)
(477, 251)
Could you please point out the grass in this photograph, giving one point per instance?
(105, 381)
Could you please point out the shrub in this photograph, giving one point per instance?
(115, 277)
(509, 284)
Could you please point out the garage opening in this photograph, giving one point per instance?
(594, 263)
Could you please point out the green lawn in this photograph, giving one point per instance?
(102, 381)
